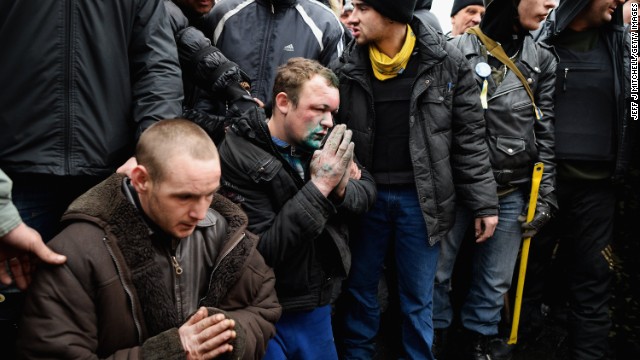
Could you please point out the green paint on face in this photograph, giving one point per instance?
(313, 140)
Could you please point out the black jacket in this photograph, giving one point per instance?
(303, 235)
(617, 39)
(446, 138)
(515, 138)
(81, 79)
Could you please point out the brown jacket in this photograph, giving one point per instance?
(110, 299)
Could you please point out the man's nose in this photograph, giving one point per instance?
(327, 120)
(199, 209)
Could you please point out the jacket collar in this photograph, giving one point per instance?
(528, 53)
(429, 44)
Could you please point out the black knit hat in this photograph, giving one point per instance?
(461, 4)
(399, 10)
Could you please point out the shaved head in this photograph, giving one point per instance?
(169, 138)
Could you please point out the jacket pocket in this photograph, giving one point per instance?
(435, 108)
(521, 105)
(265, 169)
(510, 145)
(507, 157)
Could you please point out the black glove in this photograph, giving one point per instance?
(544, 211)
(204, 64)
(241, 125)
(239, 100)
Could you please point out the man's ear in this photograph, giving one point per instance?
(282, 103)
(140, 178)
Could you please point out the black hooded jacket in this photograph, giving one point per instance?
(617, 39)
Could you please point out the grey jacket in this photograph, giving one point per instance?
(446, 140)
(81, 79)
(9, 216)
(260, 35)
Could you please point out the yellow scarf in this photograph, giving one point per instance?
(384, 67)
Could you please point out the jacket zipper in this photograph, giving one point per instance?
(265, 46)
(369, 92)
(235, 243)
(564, 82)
(68, 54)
(126, 289)
(176, 266)
(433, 180)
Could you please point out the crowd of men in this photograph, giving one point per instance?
(233, 179)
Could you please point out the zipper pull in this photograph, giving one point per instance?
(176, 265)
(564, 83)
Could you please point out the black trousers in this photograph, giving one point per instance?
(580, 273)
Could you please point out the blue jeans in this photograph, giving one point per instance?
(397, 216)
(492, 268)
(305, 335)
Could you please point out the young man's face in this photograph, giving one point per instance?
(307, 123)
(367, 25)
(181, 198)
(533, 12)
(199, 6)
(466, 18)
(599, 12)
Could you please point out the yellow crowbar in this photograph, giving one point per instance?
(524, 255)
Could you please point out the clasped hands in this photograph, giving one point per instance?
(332, 166)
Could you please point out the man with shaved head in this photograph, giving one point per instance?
(158, 265)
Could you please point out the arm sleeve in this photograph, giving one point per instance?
(474, 180)
(360, 194)
(155, 70)
(333, 43)
(544, 128)
(73, 311)
(9, 216)
(254, 312)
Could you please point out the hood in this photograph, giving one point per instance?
(568, 9)
(498, 23)
(560, 18)
(423, 4)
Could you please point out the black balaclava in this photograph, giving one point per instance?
(500, 23)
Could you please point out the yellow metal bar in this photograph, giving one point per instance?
(524, 255)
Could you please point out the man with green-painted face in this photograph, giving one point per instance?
(299, 190)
